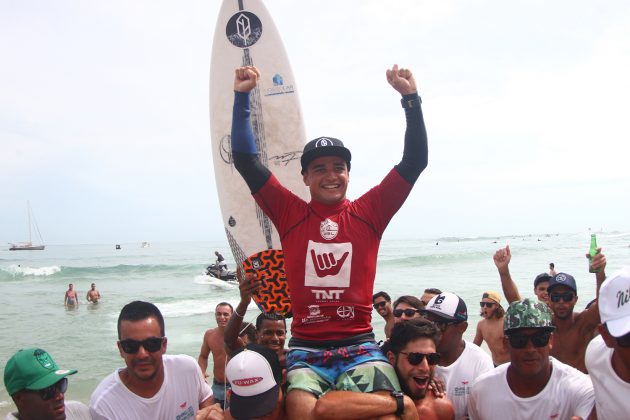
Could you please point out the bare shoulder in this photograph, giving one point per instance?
(436, 408)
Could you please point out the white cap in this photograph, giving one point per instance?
(449, 306)
(614, 302)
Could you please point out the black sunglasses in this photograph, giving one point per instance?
(417, 358)
(150, 344)
(488, 304)
(408, 312)
(379, 304)
(566, 296)
(519, 340)
(52, 391)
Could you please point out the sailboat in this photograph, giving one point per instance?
(28, 246)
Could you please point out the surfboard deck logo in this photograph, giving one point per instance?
(243, 29)
(273, 296)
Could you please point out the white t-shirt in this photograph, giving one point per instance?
(460, 375)
(75, 410)
(179, 397)
(611, 392)
(568, 393)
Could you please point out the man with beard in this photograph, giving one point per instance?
(382, 303)
(152, 385)
(414, 357)
(538, 386)
(213, 342)
(490, 328)
(574, 330)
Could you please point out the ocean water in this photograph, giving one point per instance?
(33, 284)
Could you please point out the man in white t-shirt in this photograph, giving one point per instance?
(461, 361)
(533, 385)
(608, 355)
(152, 385)
(37, 387)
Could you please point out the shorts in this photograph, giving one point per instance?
(218, 391)
(359, 368)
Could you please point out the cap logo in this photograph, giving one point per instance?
(561, 277)
(439, 300)
(323, 142)
(623, 296)
(62, 372)
(43, 358)
(247, 381)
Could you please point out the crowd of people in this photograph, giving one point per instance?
(333, 368)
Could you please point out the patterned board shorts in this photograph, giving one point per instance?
(359, 368)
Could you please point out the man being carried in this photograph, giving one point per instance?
(152, 385)
(490, 328)
(330, 246)
(93, 295)
(538, 386)
(382, 303)
(574, 330)
(213, 342)
(608, 355)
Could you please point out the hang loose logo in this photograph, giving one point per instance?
(326, 264)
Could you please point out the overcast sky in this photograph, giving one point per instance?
(104, 121)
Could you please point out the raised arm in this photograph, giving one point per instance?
(358, 405)
(599, 262)
(415, 154)
(243, 142)
(502, 260)
(247, 287)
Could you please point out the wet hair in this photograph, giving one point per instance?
(433, 291)
(384, 295)
(270, 317)
(410, 330)
(249, 330)
(412, 301)
(139, 310)
(552, 265)
(223, 304)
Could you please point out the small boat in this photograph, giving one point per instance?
(145, 245)
(28, 246)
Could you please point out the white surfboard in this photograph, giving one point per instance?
(246, 35)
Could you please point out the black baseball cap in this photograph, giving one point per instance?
(562, 279)
(324, 146)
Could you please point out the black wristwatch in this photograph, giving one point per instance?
(400, 402)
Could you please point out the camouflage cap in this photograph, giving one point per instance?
(528, 314)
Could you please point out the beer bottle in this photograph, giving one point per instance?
(591, 254)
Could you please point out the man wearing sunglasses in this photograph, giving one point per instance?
(382, 303)
(414, 357)
(490, 328)
(538, 386)
(608, 355)
(152, 385)
(37, 387)
(406, 307)
(461, 361)
(574, 330)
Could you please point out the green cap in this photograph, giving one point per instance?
(32, 369)
(528, 314)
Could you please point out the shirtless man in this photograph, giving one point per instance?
(414, 357)
(213, 342)
(573, 330)
(490, 328)
(71, 299)
(93, 295)
(382, 303)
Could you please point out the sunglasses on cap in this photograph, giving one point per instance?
(488, 304)
(417, 358)
(519, 340)
(151, 344)
(51, 392)
(408, 312)
(379, 304)
(566, 296)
